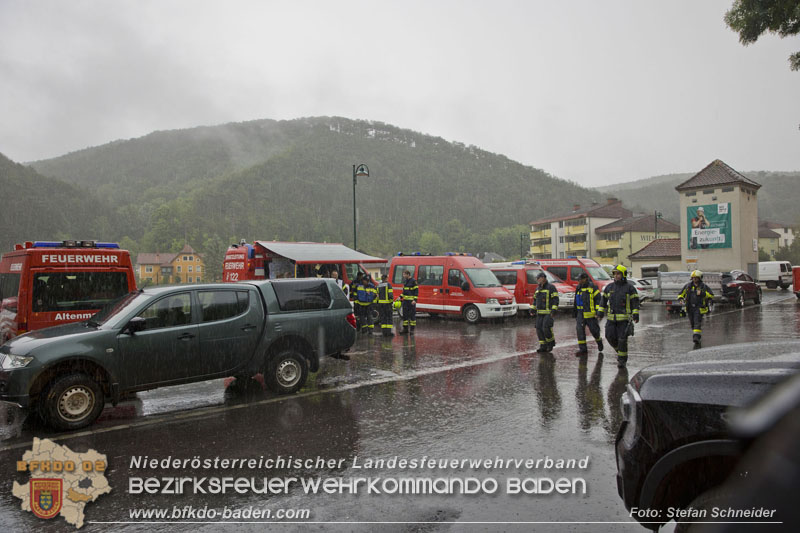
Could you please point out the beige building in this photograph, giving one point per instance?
(719, 220)
(572, 233)
(768, 240)
(784, 231)
(184, 267)
(658, 255)
(616, 241)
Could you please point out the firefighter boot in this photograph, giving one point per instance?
(599, 345)
(582, 349)
(542, 347)
(622, 361)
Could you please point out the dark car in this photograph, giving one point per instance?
(171, 335)
(674, 444)
(738, 287)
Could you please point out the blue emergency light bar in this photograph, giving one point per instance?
(517, 262)
(74, 244)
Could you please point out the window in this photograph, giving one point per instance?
(74, 291)
(302, 294)
(785, 267)
(727, 189)
(708, 191)
(219, 305)
(148, 269)
(190, 268)
(505, 277)
(455, 278)
(198, 269)
(190, 279)
(191, 258)
(575, 273)
(693, 193)
(398, 273)
(179, 268)
(9, 285)
(430, 275)
(559, 272)
(174, 310)
(185, 258)
(560, 223)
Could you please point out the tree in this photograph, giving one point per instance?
(763, 255)
(751, 18)
(430, 242)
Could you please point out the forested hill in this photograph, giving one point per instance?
(778, 196)
(293, 180)
(36, 207)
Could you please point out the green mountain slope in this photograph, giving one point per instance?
(36, 207)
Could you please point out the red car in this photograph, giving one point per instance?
(738, 287)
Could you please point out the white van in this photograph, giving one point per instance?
(775, 273)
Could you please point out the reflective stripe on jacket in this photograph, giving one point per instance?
(385, 293)
(545, 299)
(620, 301)
(410, 290)
(587, 299)
(696, 296)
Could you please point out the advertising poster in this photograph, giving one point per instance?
(709, 226)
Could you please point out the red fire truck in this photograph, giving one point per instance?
(48, 283)
(276, 259)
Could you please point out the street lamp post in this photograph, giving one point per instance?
(363, 171)
(657, 216)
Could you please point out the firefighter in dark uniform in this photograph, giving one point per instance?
(621, 303)
(385, 301)
(587, 300)
(695, 297)
(409, 299)
(545, 303)
(365, 295)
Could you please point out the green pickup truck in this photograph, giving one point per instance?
(170, 335)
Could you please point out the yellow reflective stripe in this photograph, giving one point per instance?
(543, 311)
(697, 331)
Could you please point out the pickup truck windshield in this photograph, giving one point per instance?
(111, 310)
(482, 277)
(598, 273)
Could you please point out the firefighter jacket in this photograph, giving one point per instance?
(545, 299)
(410, 290)
(365, 292)
(385, 293)
(620, 301)
(696, 297)
(587, 300)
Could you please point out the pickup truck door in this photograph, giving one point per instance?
(166, 349)
(231, 323)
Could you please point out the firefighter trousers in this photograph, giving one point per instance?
(363, 318)
(696, 321)
(617, 336)
(409, 314)
(544, 330)
(581, 324)
(385, 311)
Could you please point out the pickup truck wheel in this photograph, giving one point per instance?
(472, 314)
(286, 372)
(740, 299)
(73, 401)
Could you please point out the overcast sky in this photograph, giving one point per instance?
(593, 91)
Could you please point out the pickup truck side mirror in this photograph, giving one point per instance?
(465, 286)
(135, 324)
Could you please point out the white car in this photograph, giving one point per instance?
(645, 288)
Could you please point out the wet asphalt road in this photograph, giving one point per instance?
(452, 391)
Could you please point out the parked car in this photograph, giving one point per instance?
(739, 286)
(775, 274)
(570, 270)
(644, 288)
(674, 444)
(169, 335)
(519, 278)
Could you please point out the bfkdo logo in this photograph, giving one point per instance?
(61, 482)
(47, 496)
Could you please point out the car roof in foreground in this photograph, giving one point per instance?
(733, 374)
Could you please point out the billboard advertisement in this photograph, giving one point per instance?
(709, 226)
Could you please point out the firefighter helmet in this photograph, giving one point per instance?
(697, 274)
(396, 304)
(621, 269)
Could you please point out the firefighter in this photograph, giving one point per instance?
(409, 298)
(385, 301)
(587, 299)
(545, 303)
(366, 294)
(695, 297)
(621, 302)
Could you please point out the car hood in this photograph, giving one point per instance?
(730, 375)
(26, 343)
